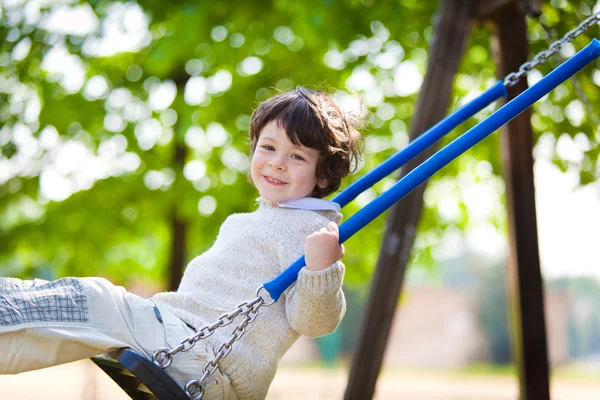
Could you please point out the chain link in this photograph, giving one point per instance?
(540, 58)
(195, 388)
(578, 89)
(163, 357)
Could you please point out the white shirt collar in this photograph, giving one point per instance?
(311, 203)
(306, 203)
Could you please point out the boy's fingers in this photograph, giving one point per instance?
(332, 227)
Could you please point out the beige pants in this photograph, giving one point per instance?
(49, 323)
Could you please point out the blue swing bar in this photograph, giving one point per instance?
(444, 156)
(421, 143)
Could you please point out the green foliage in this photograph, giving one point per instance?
(116, 221)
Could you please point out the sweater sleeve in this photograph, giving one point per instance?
(315, 304)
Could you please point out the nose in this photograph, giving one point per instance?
(278, 162)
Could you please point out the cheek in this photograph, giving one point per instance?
(256, 164)
(309, 177)
(253, 167)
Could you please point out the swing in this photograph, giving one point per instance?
(143, 378)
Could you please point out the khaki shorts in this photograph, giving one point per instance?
(49, 323)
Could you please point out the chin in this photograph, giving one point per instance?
(275, 198)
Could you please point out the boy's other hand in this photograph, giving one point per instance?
(322, 248)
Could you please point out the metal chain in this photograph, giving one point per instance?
(578, 89)
(195, 388)
(163, 357)
(540, 58)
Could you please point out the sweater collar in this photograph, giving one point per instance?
(304, 203)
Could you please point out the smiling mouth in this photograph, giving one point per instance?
(273, 181)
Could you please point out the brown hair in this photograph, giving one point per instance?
(312, 119)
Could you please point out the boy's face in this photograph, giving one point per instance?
(280, 170)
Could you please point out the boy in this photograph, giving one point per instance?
(302, 145)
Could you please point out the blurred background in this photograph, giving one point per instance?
(123, 137)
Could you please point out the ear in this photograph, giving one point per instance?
(322, 184)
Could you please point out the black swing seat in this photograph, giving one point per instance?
(139, 377)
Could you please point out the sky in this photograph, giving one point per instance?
(568, 218)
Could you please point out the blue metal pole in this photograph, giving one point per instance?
(421, 143)
(440, 159)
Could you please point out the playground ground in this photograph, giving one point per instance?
(82, 380)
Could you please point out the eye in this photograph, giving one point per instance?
(268, 148)
(297, 157)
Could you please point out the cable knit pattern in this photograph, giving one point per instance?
(251, 249)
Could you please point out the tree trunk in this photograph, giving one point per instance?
(451, 34)
(524, 278)
(178, 227)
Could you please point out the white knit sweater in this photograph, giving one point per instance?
(251, 249)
